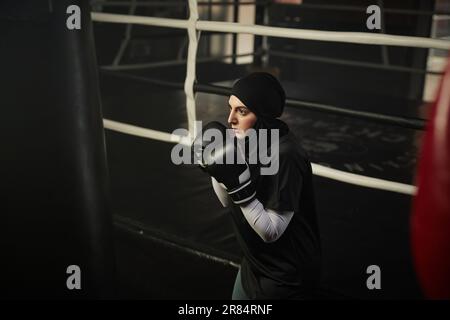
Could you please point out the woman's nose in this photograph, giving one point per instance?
(231, 118)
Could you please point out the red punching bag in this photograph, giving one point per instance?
(430, 224)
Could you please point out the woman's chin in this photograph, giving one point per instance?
(239, 135)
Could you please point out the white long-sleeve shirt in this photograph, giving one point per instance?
(268, 224)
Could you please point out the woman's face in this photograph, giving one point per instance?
(240, 118)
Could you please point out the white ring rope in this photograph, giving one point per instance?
(191, 67)
(145, 133)
(363, 181)
(142, 20)
(333, 36)
(317, 35)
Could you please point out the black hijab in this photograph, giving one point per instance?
(263, 94)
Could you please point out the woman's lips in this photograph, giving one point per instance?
(238, 133)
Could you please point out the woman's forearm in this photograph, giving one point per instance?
(268, 224)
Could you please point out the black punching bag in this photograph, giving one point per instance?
(56, 221)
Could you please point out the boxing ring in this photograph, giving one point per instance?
(88, 178)
(194, 26)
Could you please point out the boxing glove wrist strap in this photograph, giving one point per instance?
(243, 193)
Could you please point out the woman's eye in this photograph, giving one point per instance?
(243, 112)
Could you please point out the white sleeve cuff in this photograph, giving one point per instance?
(220, 191)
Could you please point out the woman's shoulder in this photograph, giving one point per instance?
(290, 148)
(291, 158)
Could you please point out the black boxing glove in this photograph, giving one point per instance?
(216, 152)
